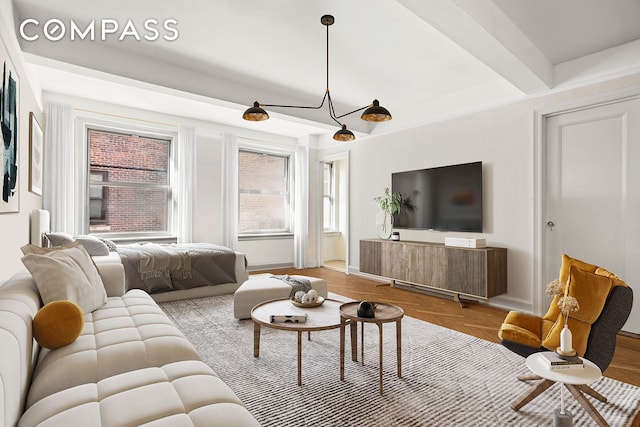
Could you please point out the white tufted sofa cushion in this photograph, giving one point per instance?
(130, 366)
(123, 335)
(184, 393)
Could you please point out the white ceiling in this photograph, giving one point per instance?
(423, 59)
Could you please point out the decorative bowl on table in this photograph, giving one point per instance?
(317, 303)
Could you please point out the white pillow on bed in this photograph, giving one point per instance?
(93, 245)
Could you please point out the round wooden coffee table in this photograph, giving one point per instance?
(384, 313)
(321, 318)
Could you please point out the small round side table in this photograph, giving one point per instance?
(384, 313)
(574, 380)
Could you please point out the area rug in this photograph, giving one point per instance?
(449, 378)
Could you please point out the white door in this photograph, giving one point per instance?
(592, 192)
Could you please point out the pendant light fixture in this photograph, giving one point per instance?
(372, 112)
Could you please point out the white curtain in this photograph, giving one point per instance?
(301, 204)
(185, 183)
(59, 167)
(230, 192)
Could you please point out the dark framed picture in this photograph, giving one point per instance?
(9, 123)
(36, 155)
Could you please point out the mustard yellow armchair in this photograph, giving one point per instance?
(605, 304)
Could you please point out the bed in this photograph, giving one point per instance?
(179, 271)
(166, 271)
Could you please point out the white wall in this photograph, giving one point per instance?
(503, 139)
(14, 227)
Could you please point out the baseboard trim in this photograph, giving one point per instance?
(356, 272)
(262, 267)
(629, 334)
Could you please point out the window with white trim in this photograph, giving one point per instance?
(129, 184)
(264, 186)
(329, 198)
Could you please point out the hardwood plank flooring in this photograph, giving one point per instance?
(477, 319)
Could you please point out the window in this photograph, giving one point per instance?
(98, 198)
(264, 186)
(129, 183)
(329, 204)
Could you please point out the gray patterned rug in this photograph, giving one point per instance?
(449, 378)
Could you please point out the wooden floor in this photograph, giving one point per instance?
(477, 319)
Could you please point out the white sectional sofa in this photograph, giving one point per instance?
(130, 366)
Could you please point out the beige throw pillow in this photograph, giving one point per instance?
(67, 273)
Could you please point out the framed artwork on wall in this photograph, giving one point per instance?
(9, 123)
(36, 155)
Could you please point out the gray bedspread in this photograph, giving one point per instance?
(158, 268)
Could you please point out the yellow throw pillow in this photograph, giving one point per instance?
(568, 262)
(58, 323)
(565, 269)
(591, 290)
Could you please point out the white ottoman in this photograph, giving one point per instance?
(264, 288)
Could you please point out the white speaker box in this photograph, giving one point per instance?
(462, 242)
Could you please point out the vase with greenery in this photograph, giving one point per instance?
(390, 204)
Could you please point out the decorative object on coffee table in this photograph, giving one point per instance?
(318, 302)
(366, 309)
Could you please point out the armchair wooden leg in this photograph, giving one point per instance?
(591, 392)
(531, 394)
(584, 402)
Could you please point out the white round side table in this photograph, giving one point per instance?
(575, 380)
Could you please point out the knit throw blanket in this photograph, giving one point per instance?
(159, 260)
(296, 283)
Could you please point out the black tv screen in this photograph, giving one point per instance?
(447, 198)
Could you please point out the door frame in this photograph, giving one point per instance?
(342, 155)
(539, 301)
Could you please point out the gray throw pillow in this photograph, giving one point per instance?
(93, 245)
(59, 238)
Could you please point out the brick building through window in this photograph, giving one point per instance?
(264, 193)
(129, 183)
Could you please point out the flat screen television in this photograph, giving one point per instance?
(447, 198)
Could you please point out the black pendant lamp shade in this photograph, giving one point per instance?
(376, 113)
(255, 113)
(372, 113)
(344, 135)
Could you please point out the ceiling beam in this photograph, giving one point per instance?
(483, 30)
